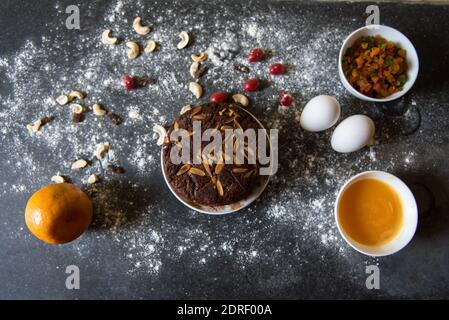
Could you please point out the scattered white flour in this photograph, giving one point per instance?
(298, 201)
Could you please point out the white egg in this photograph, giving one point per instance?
(353, 133)
(320, 113)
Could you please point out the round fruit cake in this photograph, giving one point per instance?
(204, 179)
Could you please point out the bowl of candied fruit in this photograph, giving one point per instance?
(378, 63)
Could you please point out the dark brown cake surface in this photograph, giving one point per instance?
(209, 182)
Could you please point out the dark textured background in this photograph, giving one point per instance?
(29, 269)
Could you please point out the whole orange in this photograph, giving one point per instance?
(58, 213)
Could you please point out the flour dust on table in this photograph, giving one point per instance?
(134, 210)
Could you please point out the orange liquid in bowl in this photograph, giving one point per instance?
(370, 212)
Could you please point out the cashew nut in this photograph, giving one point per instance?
(151, 46)
(76, 94)
(137, 25)
(34, 126)
(101, 150)
(196, 89)
(160, 130)
(106, 37)
(58, 179)
(134, 49)
(77, 108)
(240, 98)
(92, 179)
(199, 57)
(98, 110)
(185, 39)
(62, 100)
(79, 164)
(185, 109)
(195, 69)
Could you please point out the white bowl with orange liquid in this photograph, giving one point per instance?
(376, 213)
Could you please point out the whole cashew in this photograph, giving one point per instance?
(137, 25)
(151, 46)
(196, 89)
(106, 37)
(185, 39)
(134, 49)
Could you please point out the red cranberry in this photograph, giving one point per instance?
(276, 69)
(219, 96)
(256, 55)
(285, 99)
(251, 85)
(127, 82)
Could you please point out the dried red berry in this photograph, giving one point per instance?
(285, 99)
(127, 82)
(219, 96)
(276, 69)
(256, 55)
(251, 85)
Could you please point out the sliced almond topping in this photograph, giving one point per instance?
(199, 57)
(219, 167)
(185, 109)
(199, 116)
(197, 171)
(78, 164)
(237, 124)
(62, 100)
(195, 111)
(239, 170)
(222, 111)
(176, 125)
(92, 179)
(101, 150)
(229, 120)
(58, 179)
(183, 169)
(207, 167)
(248, 174)
(220, 188)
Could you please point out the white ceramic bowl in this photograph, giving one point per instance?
(410, 219)
(391, 35)
(222, 209)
